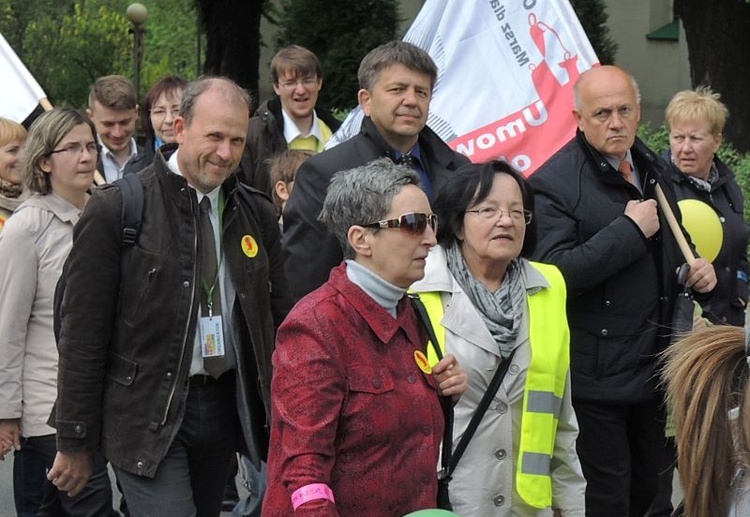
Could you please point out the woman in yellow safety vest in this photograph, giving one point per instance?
(489, 305)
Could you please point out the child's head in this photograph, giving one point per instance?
(283, 171)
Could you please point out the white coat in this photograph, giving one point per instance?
(33, 248)
(483, 482)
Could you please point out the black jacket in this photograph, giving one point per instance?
(621, 285)
(310, 251)
(140, 161)
(265, 139)
(125, 356)
(731, 292)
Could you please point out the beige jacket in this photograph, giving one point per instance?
(483, 482)
(34, 244)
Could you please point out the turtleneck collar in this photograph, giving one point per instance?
(383, 292)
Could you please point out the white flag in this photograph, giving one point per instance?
(506, 71)
(19, 91)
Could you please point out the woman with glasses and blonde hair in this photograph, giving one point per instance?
(503, 317)
(12, 192)
(707, 375)
(58, 166)
(356, 425)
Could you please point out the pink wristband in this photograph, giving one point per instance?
(311, 492)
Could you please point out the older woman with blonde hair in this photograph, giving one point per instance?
(58, 167)
(695, 120)
(12, 192)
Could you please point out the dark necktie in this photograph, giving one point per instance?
(413, 163)
(408, 160)
(217, 365)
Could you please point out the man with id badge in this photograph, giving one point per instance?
(165, 365)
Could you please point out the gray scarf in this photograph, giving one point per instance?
(502, 310)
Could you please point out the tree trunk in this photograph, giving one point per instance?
(232, 30)
(718, 40)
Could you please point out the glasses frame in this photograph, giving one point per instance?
(162, 112)
(527, 214)
(75, 149)
(417, 226)
(306, 81)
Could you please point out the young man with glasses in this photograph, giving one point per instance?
(290, 120)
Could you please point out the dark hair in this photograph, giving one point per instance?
(166, 85)
(468, 186)
(395, 53)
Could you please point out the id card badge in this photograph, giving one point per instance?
(212, 336)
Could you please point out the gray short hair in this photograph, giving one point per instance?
(231, 91)
(395, 53)
(363, 195)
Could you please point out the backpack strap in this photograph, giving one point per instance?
(131, 189)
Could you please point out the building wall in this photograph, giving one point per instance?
(660, 67)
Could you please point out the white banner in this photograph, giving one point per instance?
(19, 91)
(506, 70)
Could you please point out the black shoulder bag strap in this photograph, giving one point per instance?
(445, 402)
(497, 379)
(448, 466)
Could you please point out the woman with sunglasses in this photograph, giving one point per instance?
(502, 314)
(708, 385)
(356, 425)
(58, 167)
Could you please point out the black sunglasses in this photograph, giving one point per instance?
(413, 223)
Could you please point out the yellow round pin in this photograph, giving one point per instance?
(249, 246)
(422, 362)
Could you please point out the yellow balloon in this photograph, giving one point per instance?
(704, 227)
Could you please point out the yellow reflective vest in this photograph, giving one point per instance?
(545, 381)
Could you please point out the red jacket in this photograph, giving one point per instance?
(351, 409)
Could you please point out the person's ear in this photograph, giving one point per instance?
(281, 190)
(359, 239)
(364, 97)
(45, 164)
(579, 119)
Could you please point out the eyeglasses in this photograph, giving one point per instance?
(75, 149)
(161, 112)
(413, 223)
(307, 81)
(491, 212)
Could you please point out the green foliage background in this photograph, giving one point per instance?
(593, 17)
(340, 33)
(68, 44)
